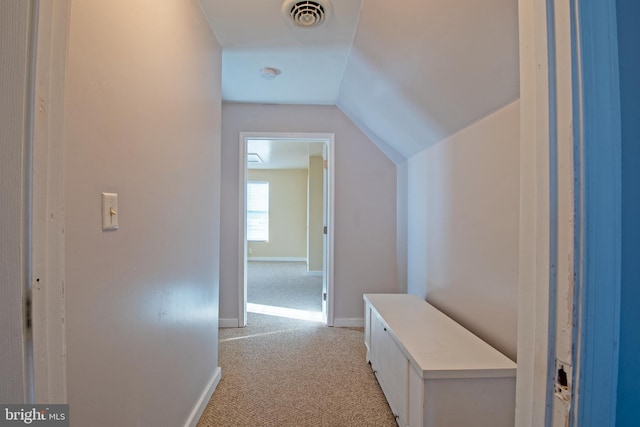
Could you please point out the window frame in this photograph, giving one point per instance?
(265, 236)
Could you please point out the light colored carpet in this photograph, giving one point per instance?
(283, 284)
(281, 372)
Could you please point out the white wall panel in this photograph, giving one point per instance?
(463, 226)
(143, 121)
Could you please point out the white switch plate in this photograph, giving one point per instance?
(110, 211)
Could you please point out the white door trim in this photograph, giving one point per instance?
(329, 139)
(534, 331)
(47, 269)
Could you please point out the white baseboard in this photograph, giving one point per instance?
(227, 323)
(201, 404)
(314, 273)
(276, 259)
(346, 322)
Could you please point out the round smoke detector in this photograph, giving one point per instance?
(307, 13)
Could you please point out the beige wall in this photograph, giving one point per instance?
(463, 204)
(365, 201)
(287, 214)
(315, 223)
(143, 120)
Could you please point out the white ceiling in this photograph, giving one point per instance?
(408, 72)
(255, 34)
(283, 154)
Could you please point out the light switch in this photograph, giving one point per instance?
(109, 211)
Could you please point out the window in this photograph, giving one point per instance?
(258, 211)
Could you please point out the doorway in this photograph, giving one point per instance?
(272, 163)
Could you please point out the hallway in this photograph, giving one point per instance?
(285, 372)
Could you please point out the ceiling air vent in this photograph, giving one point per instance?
(306, 14)
(254, 158)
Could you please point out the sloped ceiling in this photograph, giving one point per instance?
(421, 70)
(409, 73)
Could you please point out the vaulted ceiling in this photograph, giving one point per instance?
(408, 72)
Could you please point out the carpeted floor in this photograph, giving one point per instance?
(283, 372)
(283, 284)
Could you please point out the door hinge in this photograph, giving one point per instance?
(324, 296)
(325, 164)
(325, 230)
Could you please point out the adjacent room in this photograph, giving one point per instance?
(284, 233)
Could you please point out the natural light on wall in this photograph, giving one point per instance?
(290, 313)
(257, 211)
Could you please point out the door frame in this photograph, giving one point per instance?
(329, 140)
(47, 269)
(584, 32)
(19, 21)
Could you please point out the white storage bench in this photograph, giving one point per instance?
(434, 372)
